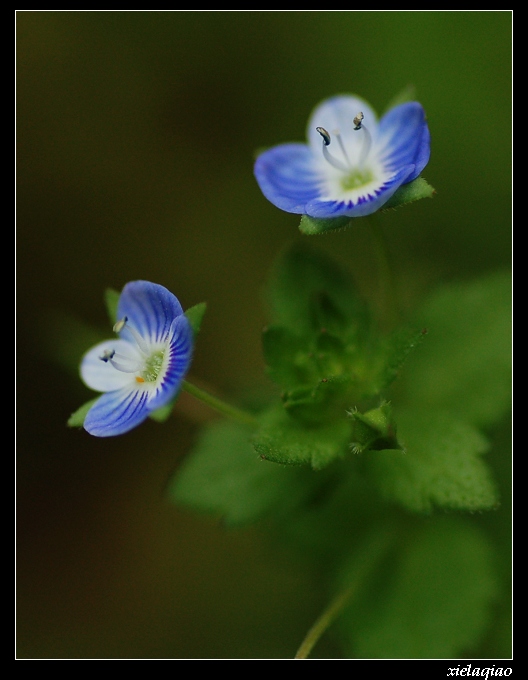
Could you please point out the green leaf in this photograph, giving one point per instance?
(77, 419)
(465, 365)
(224, 476)
(392, 354)
(431, 599)
(309, 291)
(111, 298)
(283, 439)
(195, 315)
(441, 465)
(407, 193)
(288, 357)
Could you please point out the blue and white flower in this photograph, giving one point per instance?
(143, 369)
(353, 162)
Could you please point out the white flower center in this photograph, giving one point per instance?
(147, 366)
(352, 176)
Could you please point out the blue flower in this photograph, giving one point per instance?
(352, 163)
(143, 369)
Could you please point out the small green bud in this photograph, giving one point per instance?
(374, 429)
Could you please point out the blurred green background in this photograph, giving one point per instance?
(136, 134)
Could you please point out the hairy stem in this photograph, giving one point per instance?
(221, 406)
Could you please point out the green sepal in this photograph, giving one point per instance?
(374, 429)
(407, 94)
(77, 419)
(195, 316)
(160, 415)
(407, 193)
(282, 439)
(111, 298)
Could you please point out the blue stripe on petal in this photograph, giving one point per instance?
(366, 204)
(287, 176)
(150, 309)
(404, 138)
(180, 350)
(117, 412)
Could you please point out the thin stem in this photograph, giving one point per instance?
(367, 558)
(219, 405)
(388, 293)
(323, 622)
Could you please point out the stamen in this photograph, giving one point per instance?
(123, 323)
(126, 364)
(367, 141)
(326, 142)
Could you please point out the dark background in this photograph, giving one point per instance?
(136, 134)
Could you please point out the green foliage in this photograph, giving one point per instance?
(351, 479)
(465, 365)
(225, 477)
(407, 193)
(441, 465)
(430, 598)
(283, 439)
(322, 347)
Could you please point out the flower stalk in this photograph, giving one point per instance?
(222, 407)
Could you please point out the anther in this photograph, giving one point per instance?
(328, 156)
(358, 120)
(119, 325)
(123, 323)
(325, 135)
(108, 354)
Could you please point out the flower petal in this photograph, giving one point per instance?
(178, 359)
(404, 138)
(150, 309)
(365, 204)
(101, 375)
(117, 412)
(287, 176)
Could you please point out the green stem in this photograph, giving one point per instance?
(368, 557)
(388, 293)
(219, 405)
